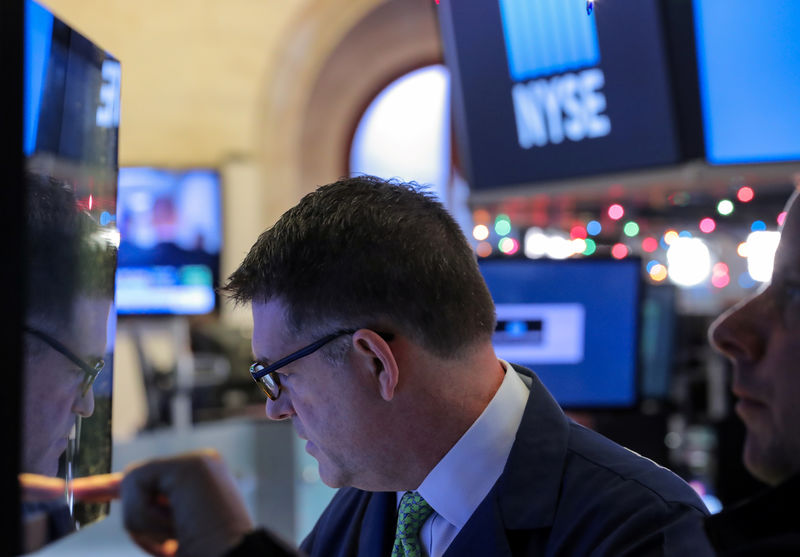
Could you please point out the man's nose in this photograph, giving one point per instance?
(739, 333)
(280, 409)
(83, 405)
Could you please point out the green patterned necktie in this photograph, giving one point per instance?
(413, 513)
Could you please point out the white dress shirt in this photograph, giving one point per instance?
(460, 481)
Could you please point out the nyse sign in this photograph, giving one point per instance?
(568, 106)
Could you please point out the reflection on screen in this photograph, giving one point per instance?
(572, 322)
(169, 223)
(70, 132)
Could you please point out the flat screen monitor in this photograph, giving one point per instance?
(170, 235)
(748, 64)
(70, 131)
(574, 323)
(544, 91)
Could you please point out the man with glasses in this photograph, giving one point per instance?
(69, 278)
(372, 331)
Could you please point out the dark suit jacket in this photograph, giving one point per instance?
(565, 490)
(765, 525)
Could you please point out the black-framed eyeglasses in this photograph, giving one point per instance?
(90, 370)
(266, 376)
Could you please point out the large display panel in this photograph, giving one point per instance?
(749, 68)
(70, 134)
(543, 91)
(575, 323)
(170, 230)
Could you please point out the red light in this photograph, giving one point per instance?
(578, 232)
(616, 211)
(720, 281)
(745, 194)
(650, 245)
(708, 225)
(619, 251)
(720, 269)
(781, 218)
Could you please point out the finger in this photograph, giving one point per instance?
(101, 488)
(36, 487)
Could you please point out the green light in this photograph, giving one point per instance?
(631, 229)
(591, 247)
(502, 227)
(725, 207)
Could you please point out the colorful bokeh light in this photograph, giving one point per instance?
(594, 228)
(745, 194)
(631, 229)
(480, 232)
(578, 232)
(708, 225)
(649, 244)
(725, 207)
(619, 251)
(615, 212)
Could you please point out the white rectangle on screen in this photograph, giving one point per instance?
(540, 333)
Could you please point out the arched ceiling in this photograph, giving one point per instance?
(196, 73)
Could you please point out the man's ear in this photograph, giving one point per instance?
(376, 356)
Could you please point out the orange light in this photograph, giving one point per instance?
(481, 216)
(658, 272)
(484, 249)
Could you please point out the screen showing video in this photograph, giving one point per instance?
(170, 235)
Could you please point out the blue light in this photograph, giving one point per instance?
(594, 228)
(685, 234)
(758, 226)
(746, 281)
(516, 328)
(105, 218)
(652, 264)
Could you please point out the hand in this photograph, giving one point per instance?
(186, 505)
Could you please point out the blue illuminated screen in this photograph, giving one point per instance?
(574, 323)
(170, 235)
(749, 68)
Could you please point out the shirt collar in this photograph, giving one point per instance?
(460, 481)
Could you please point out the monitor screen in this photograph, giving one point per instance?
(170, 235)
(748, 62)
(544, 91)
(574, 323)
(69, 139)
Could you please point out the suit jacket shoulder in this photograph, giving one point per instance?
(565, 490)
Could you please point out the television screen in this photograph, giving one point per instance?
(574, 323)
(170, 234)
(70, 130)
(544, 91)
(748, 63)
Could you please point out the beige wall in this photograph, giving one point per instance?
(267, 91)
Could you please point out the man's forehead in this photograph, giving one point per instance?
(269, 327)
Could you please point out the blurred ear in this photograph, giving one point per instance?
(376, 356)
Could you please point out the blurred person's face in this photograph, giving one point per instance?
(52, 383)
(761, 337)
